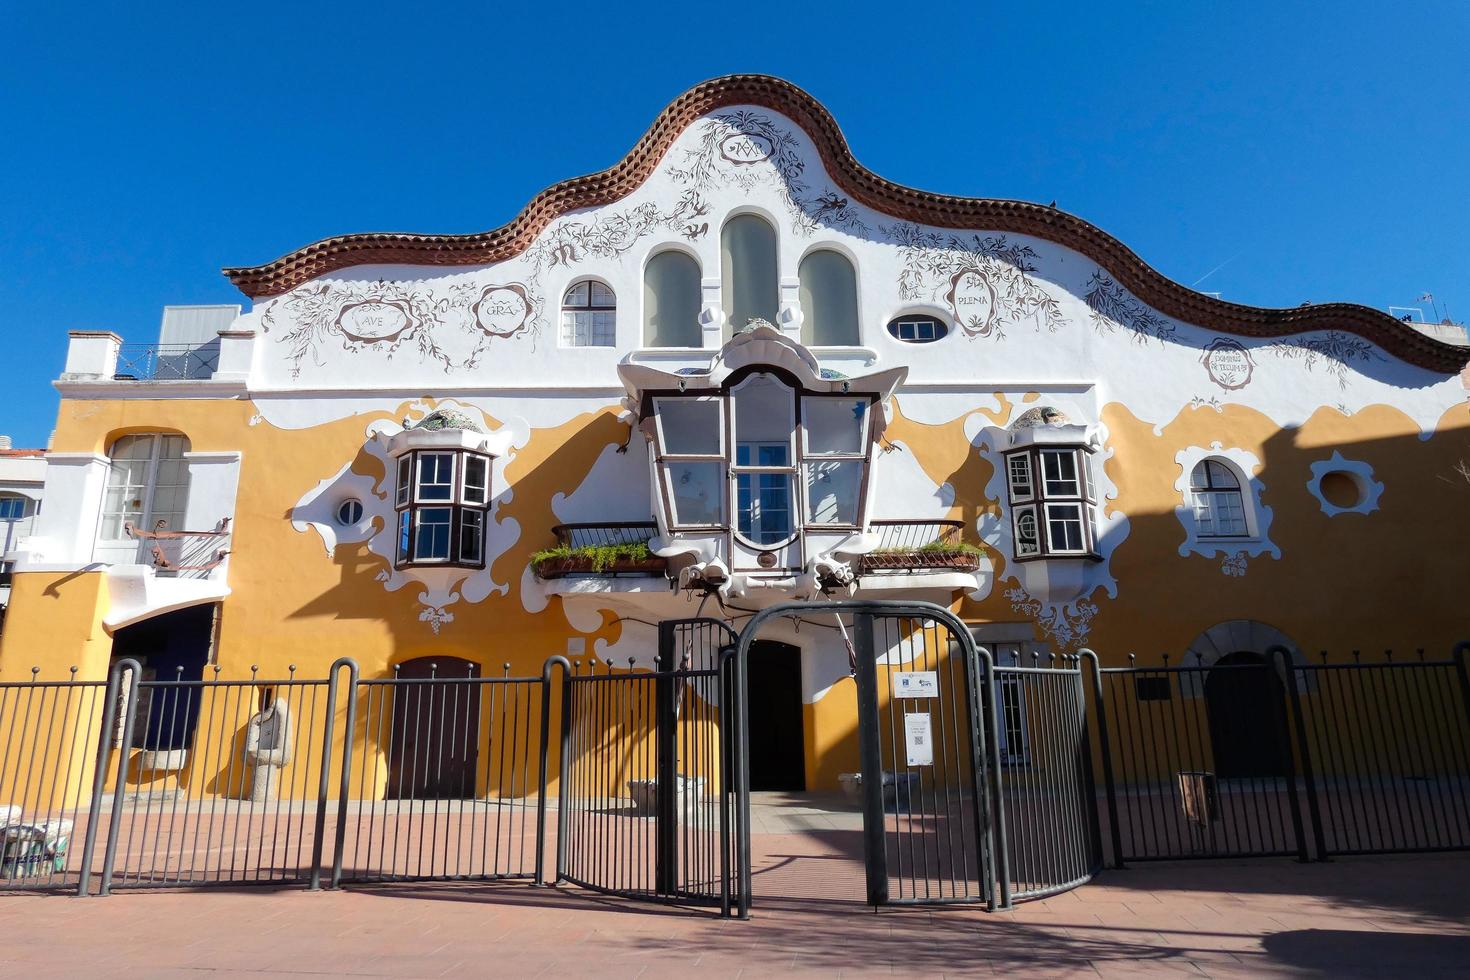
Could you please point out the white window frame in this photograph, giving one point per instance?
(1077, 481)
(1036, 549)
(938, 328)
(1082, 519)
(464, 480)
(1199, 494)
(149, 487)
(418, 537)
(5, 499)
(1017, 497)
(570, 314)
(418, 478)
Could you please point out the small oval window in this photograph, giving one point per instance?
(349, 513)
(917, 329)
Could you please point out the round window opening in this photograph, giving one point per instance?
(917, 329)
(349, 513)
(1342, 489)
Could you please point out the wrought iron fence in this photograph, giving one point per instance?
(1050, 830)
(215, 780)
(645, 804)
(603, 535)
(166, 362)
(441, 777)
(50, 753)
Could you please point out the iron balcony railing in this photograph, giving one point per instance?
(186, 554)
(610, 548)
(166, 362)
(918, 545)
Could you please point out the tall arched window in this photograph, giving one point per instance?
(589, 315)
(1219, 507)
(147, 485)
(829, 303)
(671, 301)
(748, 266)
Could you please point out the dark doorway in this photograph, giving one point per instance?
(173, 649)
(1243, 698)
(434, 744)
(777, 742)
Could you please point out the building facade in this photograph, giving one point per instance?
(22, 476)
(733, 370)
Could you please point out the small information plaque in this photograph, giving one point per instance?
(918, 734)
(916, 684)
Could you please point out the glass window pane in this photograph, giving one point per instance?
(432, 540)
(764, 501)
(405, 477)
(833, 491)
(672, 298)
(1064, 527)
(404, 520)
(829, 303)
(471, 536)
(1059, 472)
(765, 411)
(601, 295)
(576, 295)
(12, 508)
(1019, 469)
(748, 272)
(476, 479)
(696, 491)
(835, 426)
(436, 476)
(690, 426)
(1028, 539)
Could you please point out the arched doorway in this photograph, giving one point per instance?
(777, 740)
(1243, 700)
(433, 747)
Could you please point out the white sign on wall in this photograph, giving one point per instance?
(916, 684)
(918, 736)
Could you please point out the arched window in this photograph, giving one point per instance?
(1219, 507)
(748, 266)
(829, 301)
(671, 301)
(147, 485)
(917, 328)
(589, 316)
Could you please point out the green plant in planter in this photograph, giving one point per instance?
(935, 548)
(599, 557)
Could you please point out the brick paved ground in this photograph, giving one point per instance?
(1390, 917)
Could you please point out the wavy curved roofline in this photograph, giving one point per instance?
(864, 186)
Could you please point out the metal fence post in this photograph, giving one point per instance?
(1298, 722)
(1289, 722)
(566, 668)
(99, 777)
(1105, 751)
(1001, 845)
(563, 795)
(134, 671)
(1089, 784)
(875, 856)
(349, 738)
(324, 779)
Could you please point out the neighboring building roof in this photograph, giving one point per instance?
(863, 186)
(21, 453)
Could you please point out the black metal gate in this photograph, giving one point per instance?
(927, 750)
(645, 810)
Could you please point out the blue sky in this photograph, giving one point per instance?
(1261, 150)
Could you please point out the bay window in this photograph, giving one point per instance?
(442, 499)
(1051, 501)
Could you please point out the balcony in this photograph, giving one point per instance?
(166, 362)
(183, 554)
(617, 548)
(908, 546)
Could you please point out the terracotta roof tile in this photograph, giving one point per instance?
(861, 184)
